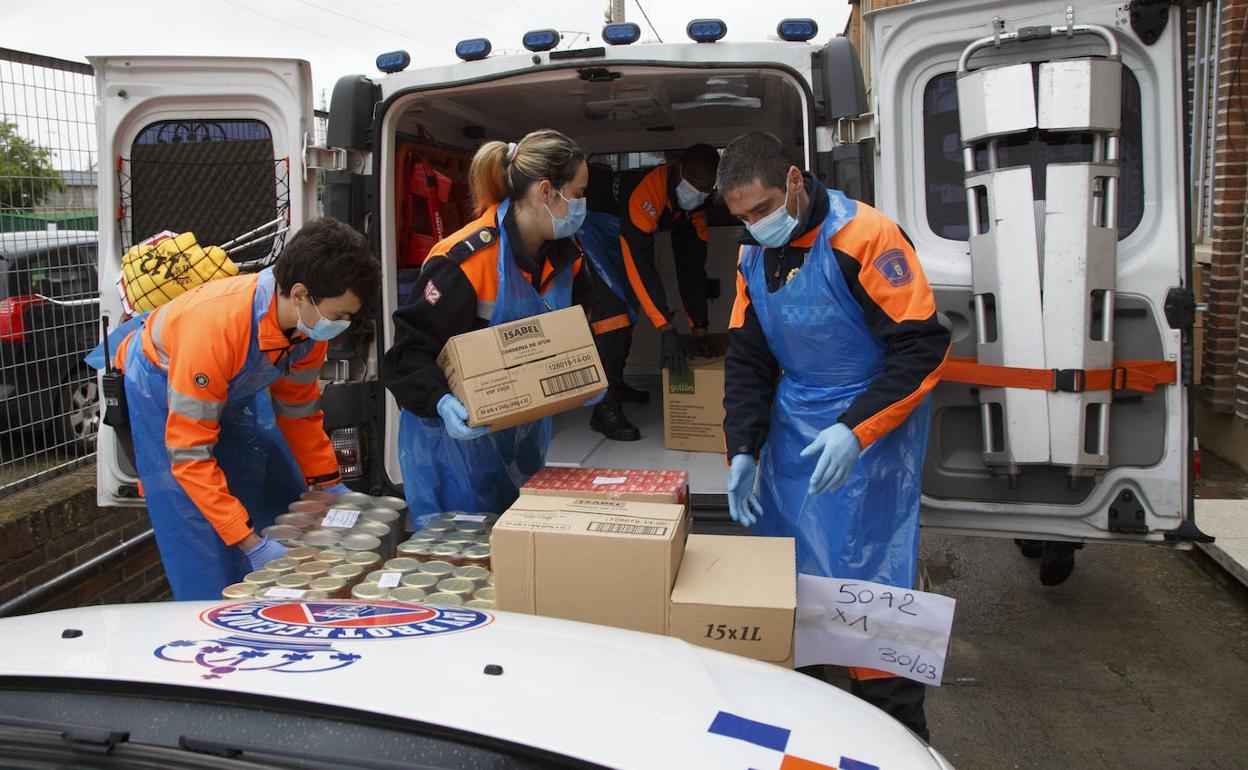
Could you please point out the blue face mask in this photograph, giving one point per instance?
(324, 329)
(566, 226)
(774, 230)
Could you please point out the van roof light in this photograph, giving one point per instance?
(621, 34)
(797, 30)
(394, 61)
(706, 30)
(473, 49)
(541, 39)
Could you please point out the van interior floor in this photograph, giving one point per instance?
(575, 444)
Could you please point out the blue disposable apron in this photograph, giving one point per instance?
(600, 239)
(259, 468)
(485, 474)
(869, 528)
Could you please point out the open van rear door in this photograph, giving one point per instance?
(215, 146)
(1040, 271)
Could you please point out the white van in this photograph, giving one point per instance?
(214, 144)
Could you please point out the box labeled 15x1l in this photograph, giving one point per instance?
(517, 372)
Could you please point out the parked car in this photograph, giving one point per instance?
(49, 319)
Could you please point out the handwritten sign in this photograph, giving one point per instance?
(860, 623)
(342, 518)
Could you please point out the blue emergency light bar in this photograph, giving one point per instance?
(541, 39)
(706, 30)
(473, 49)
(395, 61)
(621, 34)
(797, 30)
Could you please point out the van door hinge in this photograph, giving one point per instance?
(1126, 515)
(854, 130)
(1180, 307)
(317, 158)
(1149, 19)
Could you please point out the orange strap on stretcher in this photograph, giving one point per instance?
(1142, 376)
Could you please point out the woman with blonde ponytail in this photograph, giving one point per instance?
(517, 259)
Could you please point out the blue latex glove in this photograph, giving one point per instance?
(838, 450)
(743, 504)
(597, 398)
(454, 416)
(337, 489)
(264, 552)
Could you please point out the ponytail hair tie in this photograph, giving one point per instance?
(511, 151)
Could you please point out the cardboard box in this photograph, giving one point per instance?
(609, 562)
(514, 373)
(693, 408)
(639, 486)
(737, 594)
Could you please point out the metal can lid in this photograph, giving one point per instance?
(423, 538)
(313, 568)
(347, 571)
(354, 498)
(477, 552)
(294, 580)
(365, 559)
(446, 549)
(262, 577)
(315, 596)
(301, 554)
(328, 584)
(377, 529)
(239, 591)
(314, 507)
(386, 516)
(486, 593)
(437, 568)
(445, 599)
(472, 572)
(369, 591)
(374, 576)
(331, 556)
(402, 564)
(361, 543)
(439, 526)
(460, 538)
(480, 604)
(397, 503)
(458, 586)
(421, 580)
(282, 566)
(471, 528)
(407, 594)
(320, 538)
(282, 532)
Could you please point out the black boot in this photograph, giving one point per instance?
(1032, 549)
(627, 394)
(1057, 562)
(609, 420)
(901, 699)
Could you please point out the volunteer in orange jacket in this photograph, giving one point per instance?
(517, 259)
(224, 406)
(833, 349)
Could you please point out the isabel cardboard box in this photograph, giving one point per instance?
(514, 373)
(693, 407)
(640, 486)
(737, 594)
(610, 562)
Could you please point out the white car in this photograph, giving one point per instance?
(279, 683)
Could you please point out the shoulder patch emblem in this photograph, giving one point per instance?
(432, 294)
(201, 380)
(895, 268)
(648, 207)
(486, 236)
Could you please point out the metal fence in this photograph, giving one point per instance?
(49, 291)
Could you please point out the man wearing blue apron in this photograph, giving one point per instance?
(834, 346)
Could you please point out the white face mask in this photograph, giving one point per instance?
(689, 197)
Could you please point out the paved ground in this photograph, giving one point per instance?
(1139, 660)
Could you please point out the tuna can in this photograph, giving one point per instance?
(441, 569)
(353, 542)
(262, 578)
(476, 556)
(301, 554)
(354, 498)
(282, 566)
(402, 564)
(392, 519)
(369, 592)
(424, 537)
(480, 604)
(471, 528)
(319, 496)
(239, 591)
(461, 587)
(294, 580)
(332, 556)
(412, 595)
(283, 534)
(421, 580)
(378, 530)
(298, 519)
(460, 538)
(352, 573)
(321, 539)
(313, 569)
(440, 526)
(478, 575)
(393, 503)
(334, 587)
(445, 599)
(310, 507)
(448, 552)
(485, 593)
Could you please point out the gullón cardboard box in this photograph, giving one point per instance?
(693, 407)
(610, 562)
(737, 594)
(640, 486)
(514, 373)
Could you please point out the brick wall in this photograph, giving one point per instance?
(51, 528)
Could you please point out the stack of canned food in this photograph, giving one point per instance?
(446, 563)
(334, 541)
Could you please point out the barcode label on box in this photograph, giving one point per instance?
(610, 480)
(469, 517)
(562, 383)
(341, 517)
(626, 529)
(283, 593)
(390, 580)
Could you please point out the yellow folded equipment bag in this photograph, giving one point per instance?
(166, 265)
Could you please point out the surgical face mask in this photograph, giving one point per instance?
(774, 230)
(324, 329)
(566, 226)
(689, 197)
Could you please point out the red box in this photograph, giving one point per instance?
(611, 483)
